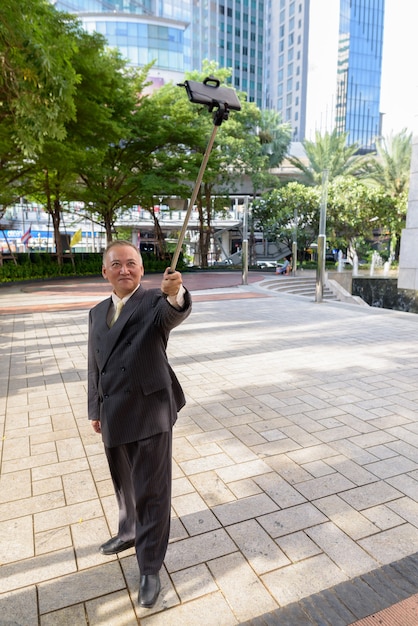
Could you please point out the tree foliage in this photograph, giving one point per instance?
(37, 78)
(390, 166)
(329, 152)
(274, 136)
(63, 171)
(293, 208)
(355, 211)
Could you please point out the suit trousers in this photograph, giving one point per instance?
(141, 475)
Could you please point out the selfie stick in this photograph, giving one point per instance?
(223, 99)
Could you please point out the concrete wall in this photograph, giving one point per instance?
(408, 259)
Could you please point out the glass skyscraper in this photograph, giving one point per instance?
(143, 31)
(286, 66)
(178, 35)
(359, 70)
(231, 32)
(323, 66)
(316, 62)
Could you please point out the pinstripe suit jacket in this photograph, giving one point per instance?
(132, 389)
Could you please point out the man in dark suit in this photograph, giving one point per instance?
(133, 400)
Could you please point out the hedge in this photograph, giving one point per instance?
(41, 265)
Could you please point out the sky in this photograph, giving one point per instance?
(399, 87)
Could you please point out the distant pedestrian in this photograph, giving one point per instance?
(286, 267)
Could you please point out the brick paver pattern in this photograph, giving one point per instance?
(295, 463)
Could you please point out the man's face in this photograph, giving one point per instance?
(123, 269)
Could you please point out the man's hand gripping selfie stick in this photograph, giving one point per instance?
(223, 99)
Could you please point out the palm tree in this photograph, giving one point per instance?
(329, 152)
(274, 135)
(390, 168)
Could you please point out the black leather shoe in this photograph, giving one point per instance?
(115, 545)
(149, 588)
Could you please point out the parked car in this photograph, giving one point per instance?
(266, 264)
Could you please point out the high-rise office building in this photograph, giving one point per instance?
(144, 31)
(317, 62)
(178, 35)
(286, 61)
(231, 32)
(359, 70)
(323, 66)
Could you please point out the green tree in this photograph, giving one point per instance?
(279, 211)
(244, 146)
(37, 78)
(390, 170)
(329, 152)
(104, 102)
(144, 164)
(390, 167)
(274, 136)
(354, 210)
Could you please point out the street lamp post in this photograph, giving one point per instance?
(245, 243)
(295, 242)
(320, 269)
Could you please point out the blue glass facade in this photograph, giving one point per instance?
(141, 43)
(169, 9)
(359, 70)
(144, 32)
(178, 35)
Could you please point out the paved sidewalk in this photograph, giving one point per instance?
(295, 492)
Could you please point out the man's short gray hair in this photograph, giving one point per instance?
(120, 242)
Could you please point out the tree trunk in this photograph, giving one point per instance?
(203, 247)
(159, 237)
(109, 231)
(205, 224)
(56, 220)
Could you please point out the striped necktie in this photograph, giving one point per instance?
(119, 307)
